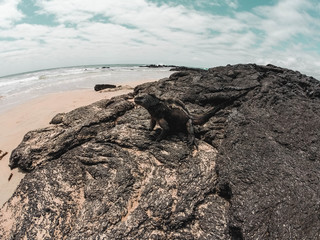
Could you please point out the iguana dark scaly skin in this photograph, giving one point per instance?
(173, 116)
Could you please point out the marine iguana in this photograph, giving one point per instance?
(173, 116)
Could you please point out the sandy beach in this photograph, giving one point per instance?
(34, 114)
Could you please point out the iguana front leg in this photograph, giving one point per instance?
(191, 138)
(165, 129)
(152, 124)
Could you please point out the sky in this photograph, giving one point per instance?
(42, 34)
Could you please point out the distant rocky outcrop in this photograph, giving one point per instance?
(182, 68)
(157, 66)
(174, 68)
(97, 173)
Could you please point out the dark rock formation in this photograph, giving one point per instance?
(97, 173)
(99, 87)
(183, 68)
(158, 66)
(173, 67)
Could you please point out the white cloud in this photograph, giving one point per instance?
(9, 13)
(136, 13)
(283, 21)
(25, 31)
(232, 3)
(140, 31)
(151, 24)
(297, 60)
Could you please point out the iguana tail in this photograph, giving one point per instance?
(202, 119)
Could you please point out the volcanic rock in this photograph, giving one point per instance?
(183, 68)
(97, 173)
(158, 66)
(99, 87)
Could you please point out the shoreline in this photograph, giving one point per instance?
(35, 114)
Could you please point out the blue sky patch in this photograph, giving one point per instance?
(32, 15)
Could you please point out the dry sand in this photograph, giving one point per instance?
(37, 113)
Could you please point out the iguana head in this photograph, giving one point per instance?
(146, 100)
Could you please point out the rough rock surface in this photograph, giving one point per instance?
(96, 172)
(99, 87)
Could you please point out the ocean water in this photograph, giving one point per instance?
(16, 89)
